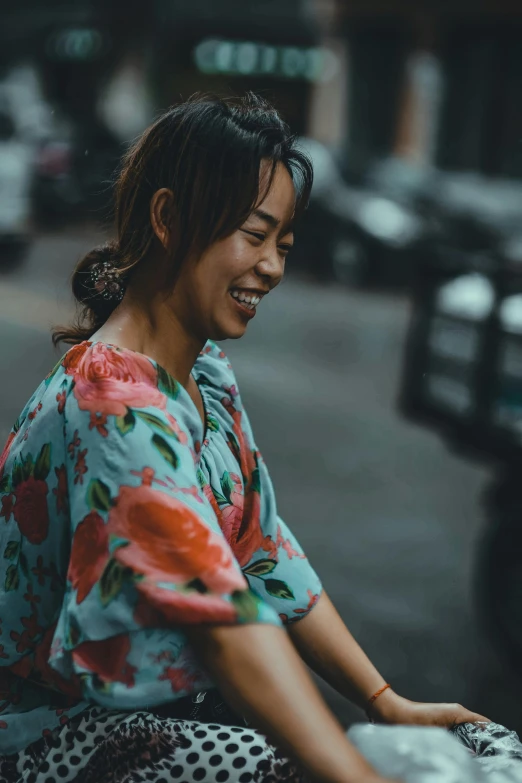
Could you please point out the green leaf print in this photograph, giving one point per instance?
(125, 424)
(278, 589)
(212, 423)
(260, 567)
(246, 605)
(5, 483)
(234, 445)
(255, 484)
(167, 384)
(17, 473)
(156, 423)
(53, 372)
(12, 578)
(116, 543)
(165, 450)
(73, 634)
(227, 485)
(98, 495)
(112, 580)
(11, 550)
(27, 467)
(43, 463)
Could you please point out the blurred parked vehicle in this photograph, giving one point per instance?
(73, 174)
(352, 234)
(15, 191)
(56, 192)
(463, 376)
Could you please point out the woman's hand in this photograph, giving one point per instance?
(395, 709)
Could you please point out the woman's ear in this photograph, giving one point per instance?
(159, 214)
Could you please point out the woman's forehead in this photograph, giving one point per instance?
(279, 201)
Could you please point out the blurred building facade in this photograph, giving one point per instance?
(438, 82)
(435, 82)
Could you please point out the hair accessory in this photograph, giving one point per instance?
(372, 699)
(106, 282)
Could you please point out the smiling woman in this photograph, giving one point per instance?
(152, 595)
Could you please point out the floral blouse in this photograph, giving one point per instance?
(122, 519)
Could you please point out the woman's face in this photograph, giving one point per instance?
(211, 296)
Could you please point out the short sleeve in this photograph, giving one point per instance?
(280, 573)
(147, 554)
(268, 553)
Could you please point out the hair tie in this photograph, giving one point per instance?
(106, 281)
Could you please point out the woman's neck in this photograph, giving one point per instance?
(155, 332)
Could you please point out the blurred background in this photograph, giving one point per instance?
(384, 378)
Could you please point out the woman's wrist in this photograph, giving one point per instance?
(388, 707)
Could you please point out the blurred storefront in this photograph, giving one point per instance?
(229, 47)
(435, 82)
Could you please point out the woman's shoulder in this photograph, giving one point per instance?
(108, 386)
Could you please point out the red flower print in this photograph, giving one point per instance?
(60, 399)
(74, 444)
(80, 467)
(30, 509)
(7, 507)
(2, 653)
(287, 546)
(182, 437)
(99, 420)
(107, 659)
(109, 381)
(3, 724)
(168, 541)
(40, 571)
(89, 554)
(60, 491)
(31, 597)
(270, 546)
(74, 356)
(31, 624)
(247, 461)
(180, 679)
(5, 452)
(33, 413)
(250, 536)
(24, 641)
(311, 603)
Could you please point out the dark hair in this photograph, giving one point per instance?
(208, 152)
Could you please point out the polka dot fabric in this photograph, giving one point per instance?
(120, 747)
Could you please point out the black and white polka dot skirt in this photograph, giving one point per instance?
(110, 746)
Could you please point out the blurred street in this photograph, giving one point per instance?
(389, 517)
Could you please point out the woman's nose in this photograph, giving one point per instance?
(271, 266)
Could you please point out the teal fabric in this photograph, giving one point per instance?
(122, 520)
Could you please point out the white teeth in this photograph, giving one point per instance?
(250, 300)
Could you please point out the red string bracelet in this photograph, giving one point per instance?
(375, 696)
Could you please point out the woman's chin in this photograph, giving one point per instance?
(228, 331)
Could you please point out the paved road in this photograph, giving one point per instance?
(389, 518)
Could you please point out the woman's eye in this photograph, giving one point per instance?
(255, 234)
(285, 248)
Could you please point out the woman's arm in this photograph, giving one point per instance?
(260, 674)
(327, 646)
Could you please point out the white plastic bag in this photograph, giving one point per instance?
(469, 753)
